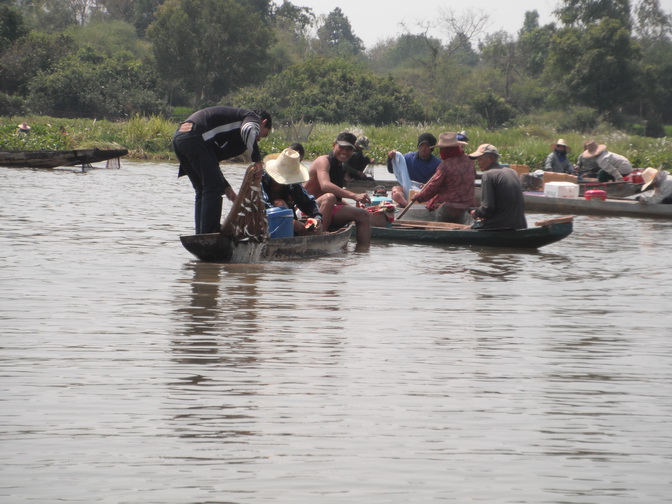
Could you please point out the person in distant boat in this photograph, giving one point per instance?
(502, 203)
(613, 167)
(451, 190)
(661, 182)
(586, 167)
(357, 164)
(207, 137)
(23, 128)
(421, 165)
(557, 161)
(281, 187)
(326, 183)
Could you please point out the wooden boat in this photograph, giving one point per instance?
(54, 159)
(244, 236)
(215, 247)
(439, 233)
(537, 202)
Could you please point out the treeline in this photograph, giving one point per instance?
(602, 62)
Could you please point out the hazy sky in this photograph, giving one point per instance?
(375, 20)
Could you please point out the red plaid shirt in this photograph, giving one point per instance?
(453, 184)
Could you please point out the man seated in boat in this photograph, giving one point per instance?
(326, 183)
(451, 191)
(613, 167)
(661, 182)
(557, 161)
(355, 167)
(281, 187)
(420, 164)
(502, 203)
(586, 167)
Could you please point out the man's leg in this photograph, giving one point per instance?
(360, 216)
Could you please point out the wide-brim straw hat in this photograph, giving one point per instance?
(23, 126)
(592, 149)
(448, 139)
(649, 175)
(562, 143)
(286, 167)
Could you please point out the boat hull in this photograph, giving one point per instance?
(531, 238)
(537, 202)
(215, 247)
(54, 159)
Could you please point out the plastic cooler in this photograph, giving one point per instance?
(595, 194)
(561, 189)
(280, 222)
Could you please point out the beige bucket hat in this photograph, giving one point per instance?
(286, 167)
(592, 149)
(562, 143)
(649, 175)
(448, 139)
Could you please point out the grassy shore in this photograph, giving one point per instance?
(150, 139)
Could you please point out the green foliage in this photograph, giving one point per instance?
(12, 26)
(109, 38)
(493, 109)
(354, 94)
(35, 54)
(210, 46)
(335, 36)
(113, 88)
(41, 136)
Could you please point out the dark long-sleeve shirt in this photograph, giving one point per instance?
(502, 203)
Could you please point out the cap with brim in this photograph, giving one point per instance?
(593, 150)
(427, 138)
(484, 149)
(345, 139)
(286, 168)
(649, 175)
(448, 139)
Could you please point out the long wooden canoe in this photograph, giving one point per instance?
(54, 159)
(215, 247)
(438, 233)
(537, 202)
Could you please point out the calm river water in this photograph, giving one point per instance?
(131, 373)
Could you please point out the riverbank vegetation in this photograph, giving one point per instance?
(125, 72)
(150, 139)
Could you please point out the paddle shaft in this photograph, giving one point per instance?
(405, 210)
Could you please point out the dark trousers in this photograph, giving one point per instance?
(200, 164)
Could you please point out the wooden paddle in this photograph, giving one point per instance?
(405, 210)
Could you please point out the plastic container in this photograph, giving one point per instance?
(377, 200)
(635, 177)
(597, 194)
(561, 189)
(280, 222)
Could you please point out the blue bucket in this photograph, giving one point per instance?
(280, 222)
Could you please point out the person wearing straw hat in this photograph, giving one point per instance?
(356, 166)
(502, 203)
(327, 184)
(612, 166)
(661, 182)
(557, 161)
(23, 127)
(586, 167)
(451, 190)
(282, 186)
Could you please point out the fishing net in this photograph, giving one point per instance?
(246, 220)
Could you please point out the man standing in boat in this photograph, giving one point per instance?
(502, 203)
(207, 137)
(326, 183)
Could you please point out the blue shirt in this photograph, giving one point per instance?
(421, 170)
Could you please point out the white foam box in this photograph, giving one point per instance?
(561, 189)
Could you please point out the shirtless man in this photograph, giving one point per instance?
(326, 182)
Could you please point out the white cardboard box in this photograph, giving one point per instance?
(561, 189)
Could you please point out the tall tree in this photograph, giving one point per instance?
(587, 12)
(210, 47)
(336, 38)
(12, 26)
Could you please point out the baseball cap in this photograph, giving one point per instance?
(345, 139)
(484, 149)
